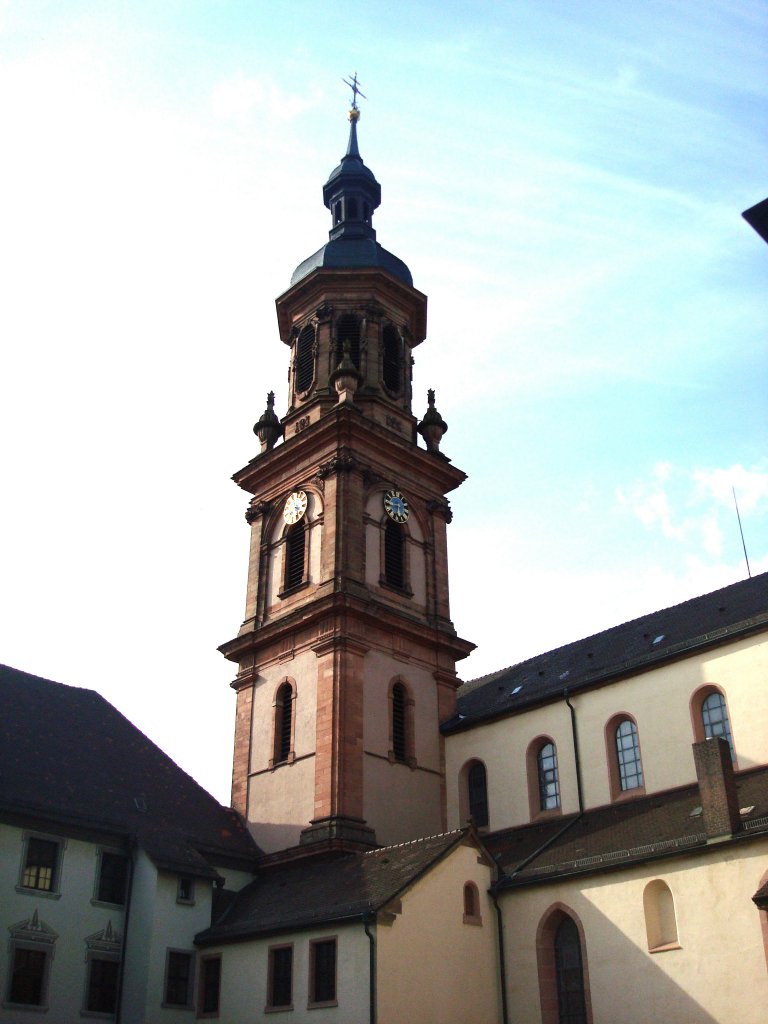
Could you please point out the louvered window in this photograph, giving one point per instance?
(348, 335)
(398, 722)
(283, 721)
(394, 555)
(392, 363)
(305, 360)
(295, 544)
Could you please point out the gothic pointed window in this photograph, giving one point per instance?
(569, 974)
(283, 723)
(295, 545)
(392, 364)
(305, 360)
(394, 554)
(348, 336)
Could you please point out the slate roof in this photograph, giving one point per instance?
(68, 758)
(642, 643)
(351, 254)
(616, 835)
(327, 888)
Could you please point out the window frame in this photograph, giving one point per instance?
(471, 900)
(532, 756)
(190, 955)
(698, 699)
(98, 898)
(312, 1001)
(44, 950)
(290, 533)
(389, 528)
(276, 761)
(408, 722)
(54, 890)
(305, 356)
(546, 933)
(465, 801)
(617, 791)
(205, 962)
(271, 1006)
(188, 900)
(99, 956)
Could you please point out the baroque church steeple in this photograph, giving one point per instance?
(346, 655)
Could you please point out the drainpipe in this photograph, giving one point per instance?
(575, 749)
(371, 969)
(128, 894)
(502, 965)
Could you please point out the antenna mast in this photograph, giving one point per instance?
(746, 558)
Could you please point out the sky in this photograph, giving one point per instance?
(564, 180)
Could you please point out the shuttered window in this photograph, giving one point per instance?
(283, 716)
(305, 360)
(399, 738)
(394, 555)
(295, 543)
(392, 361)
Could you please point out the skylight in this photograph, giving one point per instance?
(658, 639)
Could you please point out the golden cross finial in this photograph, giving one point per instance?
(354, 86)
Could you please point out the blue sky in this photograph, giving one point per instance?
(565, 181)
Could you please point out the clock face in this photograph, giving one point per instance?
(396, 506)
(295, 507)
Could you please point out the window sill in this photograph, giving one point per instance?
(666, 948)
(290, 591)
(552, 812)
(38, 1008)
(45, 894)
(627, 794)
(402, 591)
(472, 919)
(278, 1009)
(107, 905)
(320, 1006)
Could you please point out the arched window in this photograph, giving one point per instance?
(283, 723)
(549, 782)
(348, 335)
(562, 962)
(295, 548)
(660, 921)
(625, 766)
(477, 794)
(394, 554)
(399, 723)
(714, 718)
(471, 904)
(569, 974)
(392, 362)
(305, 359)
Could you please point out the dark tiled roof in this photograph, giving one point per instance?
(67, 757)
(622, 833)
(632, 646)
(326, 888)
(352, 254)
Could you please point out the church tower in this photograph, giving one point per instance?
(346, 657)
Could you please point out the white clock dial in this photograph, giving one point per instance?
(396, 506)
(295, 507)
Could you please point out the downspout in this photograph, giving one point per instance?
(371, 969)
(537, 853)
(502, 965)
(576, 755)
(128, 894)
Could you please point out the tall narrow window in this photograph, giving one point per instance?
(399, 724)
(471, 904)
(477, 791)
(394, 554)
(628, 755)
(392, 360)
(305, 359)
(28, 977)
(280, 980)
(348, 336)
(322, 971)
(283, 722)
(113, 872)
(549, 783)
(295, 545)
(714, 718)
(102, 985)
(569, 974)
(178, 978)
(210, 985)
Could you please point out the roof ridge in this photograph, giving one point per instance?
(412, 842)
